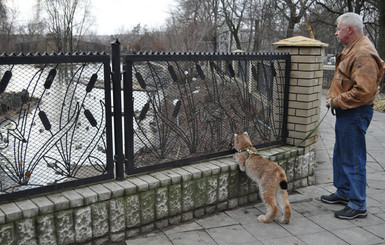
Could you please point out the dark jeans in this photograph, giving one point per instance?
(349, 156)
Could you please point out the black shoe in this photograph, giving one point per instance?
(349, 213)
(333, 199)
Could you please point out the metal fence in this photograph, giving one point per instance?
(55, 122)
(69, 120)
(182, 108)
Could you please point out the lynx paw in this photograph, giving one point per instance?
(283, 220)
(262, 218)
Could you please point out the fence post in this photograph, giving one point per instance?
(117, 113)
(305, 87)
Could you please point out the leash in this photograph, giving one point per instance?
(310, 133)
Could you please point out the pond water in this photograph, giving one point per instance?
(63, 127)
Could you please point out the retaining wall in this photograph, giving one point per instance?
(112, 211)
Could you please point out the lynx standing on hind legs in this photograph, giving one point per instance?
(270, 177)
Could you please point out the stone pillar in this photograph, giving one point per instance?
(305, 88)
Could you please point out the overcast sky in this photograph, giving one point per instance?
(111, 15)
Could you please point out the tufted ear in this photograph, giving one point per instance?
(246, 133)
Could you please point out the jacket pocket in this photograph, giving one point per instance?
(347, 84)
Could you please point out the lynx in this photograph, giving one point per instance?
(270, 177)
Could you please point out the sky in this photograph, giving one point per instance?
(112, 15)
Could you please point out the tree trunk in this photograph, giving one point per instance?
(290, 29)
(256, 36)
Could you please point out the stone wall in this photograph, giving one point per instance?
(115, 210)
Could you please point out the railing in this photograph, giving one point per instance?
(182, 108)
(59, 127)
(55, 122)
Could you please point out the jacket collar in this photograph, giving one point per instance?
(353, 43)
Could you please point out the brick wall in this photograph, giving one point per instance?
(306, 79)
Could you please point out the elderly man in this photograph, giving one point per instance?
(359, 71)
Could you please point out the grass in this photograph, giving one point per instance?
(379, 103)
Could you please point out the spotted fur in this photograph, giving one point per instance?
(270, 177)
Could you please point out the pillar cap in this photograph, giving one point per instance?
(300, 41)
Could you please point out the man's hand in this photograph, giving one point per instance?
(328, 103)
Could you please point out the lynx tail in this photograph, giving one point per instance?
(282, 180)
(283, 185)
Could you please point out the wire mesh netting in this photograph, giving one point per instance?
(52, 124)
(188, 108)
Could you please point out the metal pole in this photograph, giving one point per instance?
(116, 81)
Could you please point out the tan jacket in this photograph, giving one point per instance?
(357, 76)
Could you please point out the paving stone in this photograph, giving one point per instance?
(329, 222)
(377, 230)
(157, 239)
(186, 226)
(357, 235)
(191, 237)
(244, 215)
(321, 238)
(234, 234)
(284, 240)
(263, 231)
(302, 226)
(216, 220)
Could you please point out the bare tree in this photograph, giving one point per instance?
(68, 21)
(7, 27)
(193, 23)
(293, 11)
(233, 11)
(261, 20)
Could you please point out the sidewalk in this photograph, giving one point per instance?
(312, 222)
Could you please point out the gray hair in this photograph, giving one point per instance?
(352, 19)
